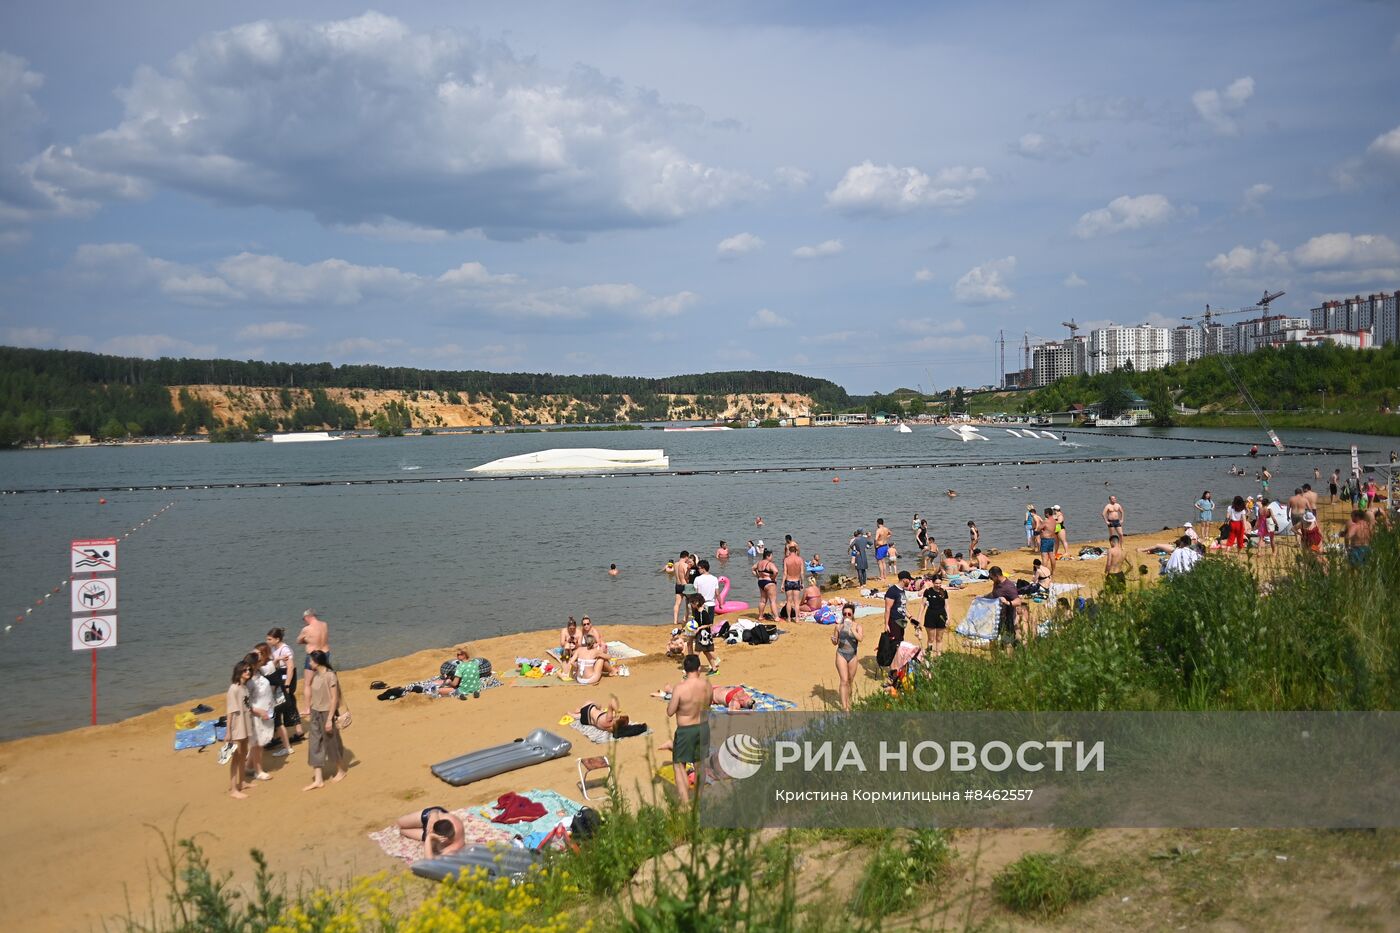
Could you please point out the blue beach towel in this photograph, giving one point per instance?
(206, 733)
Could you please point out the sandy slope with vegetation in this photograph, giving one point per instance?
(233, 404)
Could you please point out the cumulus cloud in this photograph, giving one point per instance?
(1126, 213)
(1245, 261)
(1073, 281)
(767, 318)
(820, 250)
(1346, 259)
(868, 188)
(259, 280)
(986, 283)
(923, 276)
(274, 330)
(1047, 147)
(1380, 162)
(1254, 196)
(1218, 108)
(366, 122)
(737, 245)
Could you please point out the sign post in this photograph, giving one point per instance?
(93, 594)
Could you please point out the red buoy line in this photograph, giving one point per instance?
(47, 597)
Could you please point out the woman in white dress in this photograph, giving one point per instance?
(261, 701)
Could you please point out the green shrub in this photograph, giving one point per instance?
(900, 871)
(1044, 884)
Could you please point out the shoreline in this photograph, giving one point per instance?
(116, 786)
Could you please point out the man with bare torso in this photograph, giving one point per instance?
(1115, 577)
(1297, 508)
(1358, 536)
(882, 545)
(1310, 496)
(690, 704)
(1113, 516)
(681, 573)
(792, 582)
(316, 636)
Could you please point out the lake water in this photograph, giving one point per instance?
(396, 569)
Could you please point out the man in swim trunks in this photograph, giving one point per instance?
(1358, 536)
(792, 582)
(1115, 578)
(1113, 516)
(315, 635)
(690, 704)
(440, 830)
(766, 572)
(1046, 533)
(1311, 496)
(681, 576)
(1297, 508)
(882, 546)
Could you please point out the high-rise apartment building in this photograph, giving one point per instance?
(1142, 347)
(1058, 359)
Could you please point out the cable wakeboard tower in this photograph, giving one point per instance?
(1205, 321)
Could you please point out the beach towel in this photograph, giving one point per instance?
(981, 619)
(616, 649)
(517, 681)
(206, 733)
(598, 736)
(478, 831)
(763, 702)
(558, 809)
(428, 688)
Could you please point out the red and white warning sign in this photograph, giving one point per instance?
(96, 595)
(94, 632)
(99, 556)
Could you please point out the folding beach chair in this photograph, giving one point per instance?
(587, 766)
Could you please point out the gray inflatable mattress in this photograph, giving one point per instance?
(499, 861)
(540, 745)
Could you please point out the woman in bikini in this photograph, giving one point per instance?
(847, 638)
(590, 662)
(608, 718)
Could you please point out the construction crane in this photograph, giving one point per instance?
(1073, 326)
(1205, 320)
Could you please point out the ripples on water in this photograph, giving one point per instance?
(399, 568)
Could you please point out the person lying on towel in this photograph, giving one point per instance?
(440, 831)
(733, 697)
(609, 718)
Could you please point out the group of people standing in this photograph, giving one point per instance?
(262, 714)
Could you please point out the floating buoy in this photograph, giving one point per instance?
(101, 501)
(836, 479)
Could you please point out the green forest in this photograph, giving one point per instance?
(55, 394)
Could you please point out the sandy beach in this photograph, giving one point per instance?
(85, 809)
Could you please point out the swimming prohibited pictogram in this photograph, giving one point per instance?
(98, 556)
(96, 595)
(94, 632)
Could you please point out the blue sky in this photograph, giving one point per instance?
(863, 192)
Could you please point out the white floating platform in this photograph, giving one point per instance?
(302, 437)
(593, 459)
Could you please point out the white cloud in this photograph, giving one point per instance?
(739, 244)
(766, 318)
(274, 330)
(793, 178)
(260, 281)
(839, 336)
(887, 189)
(1218, 107)
(1244, 261)
(1254, 196)
(366, 122)
(1380, 162)
(986, 283)
(1126, 213)
(154, 346)
(923, 276)
(820, 251)
(30, 336)
(1073, 280)
(1343, 258)
(1047, 147)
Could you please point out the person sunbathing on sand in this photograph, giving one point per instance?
(732, 697)
(608, 718)
(440, 830)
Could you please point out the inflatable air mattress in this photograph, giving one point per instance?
(499, 861)
(540, 745)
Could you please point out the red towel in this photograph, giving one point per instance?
(517, 809)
